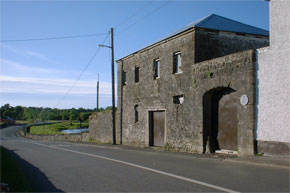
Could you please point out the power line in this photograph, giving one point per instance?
(93, 35)
(155, 10)
(135, 13)
(80, 75)
(53, 38)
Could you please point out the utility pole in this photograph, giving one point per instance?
(113, 87)
(121, 106)
(98, 88)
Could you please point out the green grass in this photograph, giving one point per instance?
(24, 122)
(56, 128)
(12, 174)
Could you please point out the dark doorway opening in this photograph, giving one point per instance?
(220, 120)
(156, 128)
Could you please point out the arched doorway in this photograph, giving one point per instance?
(220, 120)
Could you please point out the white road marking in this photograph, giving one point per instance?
(141, 167)
(60, 145)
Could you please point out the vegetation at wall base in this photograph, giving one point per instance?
(11, 174)
(56, 128)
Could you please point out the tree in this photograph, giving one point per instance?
(65, 116)
(84, 116)
(42, 114)
(8, 111)
(19, 112)
(73, 115)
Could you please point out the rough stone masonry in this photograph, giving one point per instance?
(184, 110)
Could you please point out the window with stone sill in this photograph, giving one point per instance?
(177, 63)
(156, 68)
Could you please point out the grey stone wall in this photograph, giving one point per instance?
(100, 125)
(83, 137)
(184, 122)
(236, 71)
(150, 93)
(213, 44)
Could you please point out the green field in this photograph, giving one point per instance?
(24, 122)
(11, 174)
(56, 128)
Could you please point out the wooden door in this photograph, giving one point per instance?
(157, 128)
(228, 123)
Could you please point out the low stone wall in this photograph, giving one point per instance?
(100, 125)
(83, 137)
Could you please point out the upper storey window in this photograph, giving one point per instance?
(136, 73)
(177, 63)
(124, 77)
(156, 68)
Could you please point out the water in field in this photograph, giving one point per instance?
(71, 131)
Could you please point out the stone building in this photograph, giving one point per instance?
(273, 84)
(192, 88)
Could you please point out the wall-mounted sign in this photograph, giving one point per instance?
(244, 100)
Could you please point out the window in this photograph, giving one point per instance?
(124, 77)
(156, 68)
(178, 99)
(177, 63)
(136, 73)
(136, 113)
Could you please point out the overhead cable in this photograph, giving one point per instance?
(53, 38)
(135, 13)
(80, 75)
(142, 18)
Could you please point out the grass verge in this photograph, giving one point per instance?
(56, 128)
(12, 174)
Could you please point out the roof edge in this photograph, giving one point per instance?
(195, 25)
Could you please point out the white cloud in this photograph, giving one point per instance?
(29, 79)
(23, 52)
(35, 54)
(8, 66)
(12, 84)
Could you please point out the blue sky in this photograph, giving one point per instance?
(40, 73)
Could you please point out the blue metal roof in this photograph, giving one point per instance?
(216, 22)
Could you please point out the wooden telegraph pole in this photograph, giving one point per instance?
(98, 90)
(113, 87)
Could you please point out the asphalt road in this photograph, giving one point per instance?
(72, 167)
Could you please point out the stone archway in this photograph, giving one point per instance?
(220, 120)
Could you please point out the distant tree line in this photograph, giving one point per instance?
(42, 114)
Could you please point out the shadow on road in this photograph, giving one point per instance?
(37, 180)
